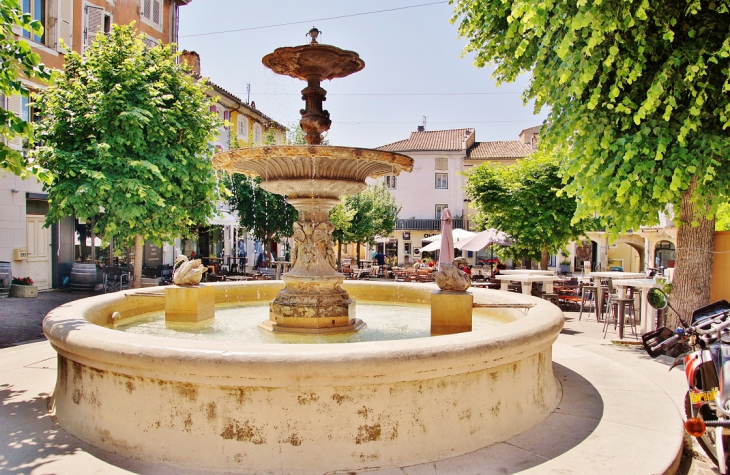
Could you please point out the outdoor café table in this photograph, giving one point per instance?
(596, 278)
(526, 272)
(485, 284)
(527, 280)
(648, 314)
(281, 267)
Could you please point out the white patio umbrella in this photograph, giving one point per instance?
(458, 234)
(434, 246)
(484, 239)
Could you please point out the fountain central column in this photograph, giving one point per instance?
(313, 300)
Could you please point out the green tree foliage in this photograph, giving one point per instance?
(722, 223)
(265, 215)
(639, 97)
(359, 218)
(525, 201)
(17, 60)
(125, 134)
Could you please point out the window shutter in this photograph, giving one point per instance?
(65, 24)
(442, 164)
(147, 9)
(94, 24)
(150, 42)
(213, 109)
(15, 104)
(51, 25)
(157, 12)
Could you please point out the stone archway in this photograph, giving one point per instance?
(635, 242)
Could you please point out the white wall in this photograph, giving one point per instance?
(416, 192)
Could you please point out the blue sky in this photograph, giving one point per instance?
(413, 67)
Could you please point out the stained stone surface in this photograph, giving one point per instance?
(451, 278)
(189, 272)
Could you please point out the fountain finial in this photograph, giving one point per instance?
(314, 33)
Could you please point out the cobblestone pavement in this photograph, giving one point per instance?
(21, 319)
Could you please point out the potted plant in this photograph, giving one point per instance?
(565, 266)
(23, 287)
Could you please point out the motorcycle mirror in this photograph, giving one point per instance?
(657, 299)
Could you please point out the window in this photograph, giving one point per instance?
(442, 164)
(150, 42)
(258, 133)
(390, 182)
(98, 21)
(442, 181)
(242, 127)
(151, 13)
(37, 10)
(439, 209)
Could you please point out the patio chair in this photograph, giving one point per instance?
(115, 279)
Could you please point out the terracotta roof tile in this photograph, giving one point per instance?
(442, 140)
(499, 149)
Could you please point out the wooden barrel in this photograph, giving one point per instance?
(6, 277)
(83, 277)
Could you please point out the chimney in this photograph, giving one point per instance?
(192, 60)
(421, 128)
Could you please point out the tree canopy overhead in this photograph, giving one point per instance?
(17, 59)
(638, 93)
(125, 134)
(639, 98)
(524, 200)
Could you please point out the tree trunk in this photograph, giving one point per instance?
(358, 255)
(693, 268)
(339, 253)
(138, 258)
(544, 256)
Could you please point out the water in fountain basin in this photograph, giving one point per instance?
(385, 321)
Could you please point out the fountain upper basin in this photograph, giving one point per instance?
(312, 170)
(301, 408)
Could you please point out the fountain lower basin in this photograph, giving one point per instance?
(301, 408)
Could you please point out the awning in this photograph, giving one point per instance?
(385, 240)
(224, 219)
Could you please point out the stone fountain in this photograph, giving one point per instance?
(257, 408)
(313, 178)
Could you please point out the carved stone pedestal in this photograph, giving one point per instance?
(189, 304)
(312, 301)
(451, 312)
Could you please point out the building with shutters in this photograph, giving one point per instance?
(437, 180)
(68, 25)
(440, 157)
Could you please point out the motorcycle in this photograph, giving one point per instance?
(707, 369)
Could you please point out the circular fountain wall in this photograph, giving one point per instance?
(278, 408)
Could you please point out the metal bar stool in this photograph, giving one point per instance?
(617, 305)
(587, 295)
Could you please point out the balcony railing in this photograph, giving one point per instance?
(425, 224)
